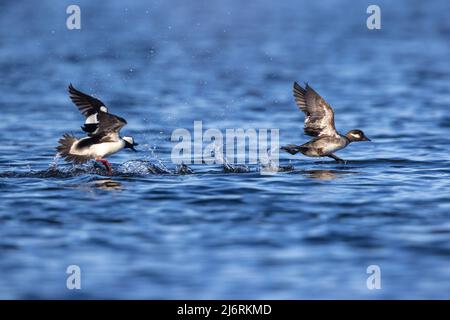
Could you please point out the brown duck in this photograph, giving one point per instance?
(319, 123)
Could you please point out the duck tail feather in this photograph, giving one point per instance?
(65, 143)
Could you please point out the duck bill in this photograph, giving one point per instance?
(366, 139)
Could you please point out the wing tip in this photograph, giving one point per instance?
(298, 89)
(71, 89)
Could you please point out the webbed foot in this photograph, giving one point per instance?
(339, 160)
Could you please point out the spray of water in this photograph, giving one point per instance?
(228, 167)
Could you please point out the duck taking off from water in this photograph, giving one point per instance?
(102, 129)
(319, 123)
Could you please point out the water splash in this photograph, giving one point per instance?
(54, 163)
(228, 167)
(143, 167)
(267, 163)
(183, 169)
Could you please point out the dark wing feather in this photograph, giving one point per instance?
(90, 128)
(87, 104)
(98, 121)
(319, 120)
(109, 123)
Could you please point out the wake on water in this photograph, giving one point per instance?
(157, 167)
(128, 168)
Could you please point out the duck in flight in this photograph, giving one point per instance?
(319, 123)
(102, 129)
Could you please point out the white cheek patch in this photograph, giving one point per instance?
(103, 109)
(128, 139)
(357, 136)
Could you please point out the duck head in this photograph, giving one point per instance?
(129, 143)
(356, 135)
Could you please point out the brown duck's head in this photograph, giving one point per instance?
(356, 135)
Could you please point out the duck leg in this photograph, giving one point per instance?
(106, 164)
(337, 158)
(292, 149)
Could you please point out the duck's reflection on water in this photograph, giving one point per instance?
(107, 184)
(326, 174)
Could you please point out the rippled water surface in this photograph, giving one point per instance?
(152, 230)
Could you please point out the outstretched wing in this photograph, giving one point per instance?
(319, 120)
(98, 120)
(87, 104)
(109, 123)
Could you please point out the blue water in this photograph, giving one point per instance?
(149, 231)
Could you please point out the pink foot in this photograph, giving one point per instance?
(106, 164)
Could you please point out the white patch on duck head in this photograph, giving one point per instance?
(129, 140)
(103, 109)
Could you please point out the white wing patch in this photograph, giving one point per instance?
(91, 119)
